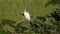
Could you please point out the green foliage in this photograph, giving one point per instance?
(41, 25)
(7, 22)
(3, 32)
(53, 2)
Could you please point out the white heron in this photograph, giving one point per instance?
(27, 15)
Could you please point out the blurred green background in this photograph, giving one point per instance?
(11, 12)
(13, 9)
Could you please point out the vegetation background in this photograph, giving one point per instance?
(45, 16)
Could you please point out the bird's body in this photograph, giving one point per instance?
(27, 15)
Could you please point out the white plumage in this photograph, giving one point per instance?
(27, 15)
